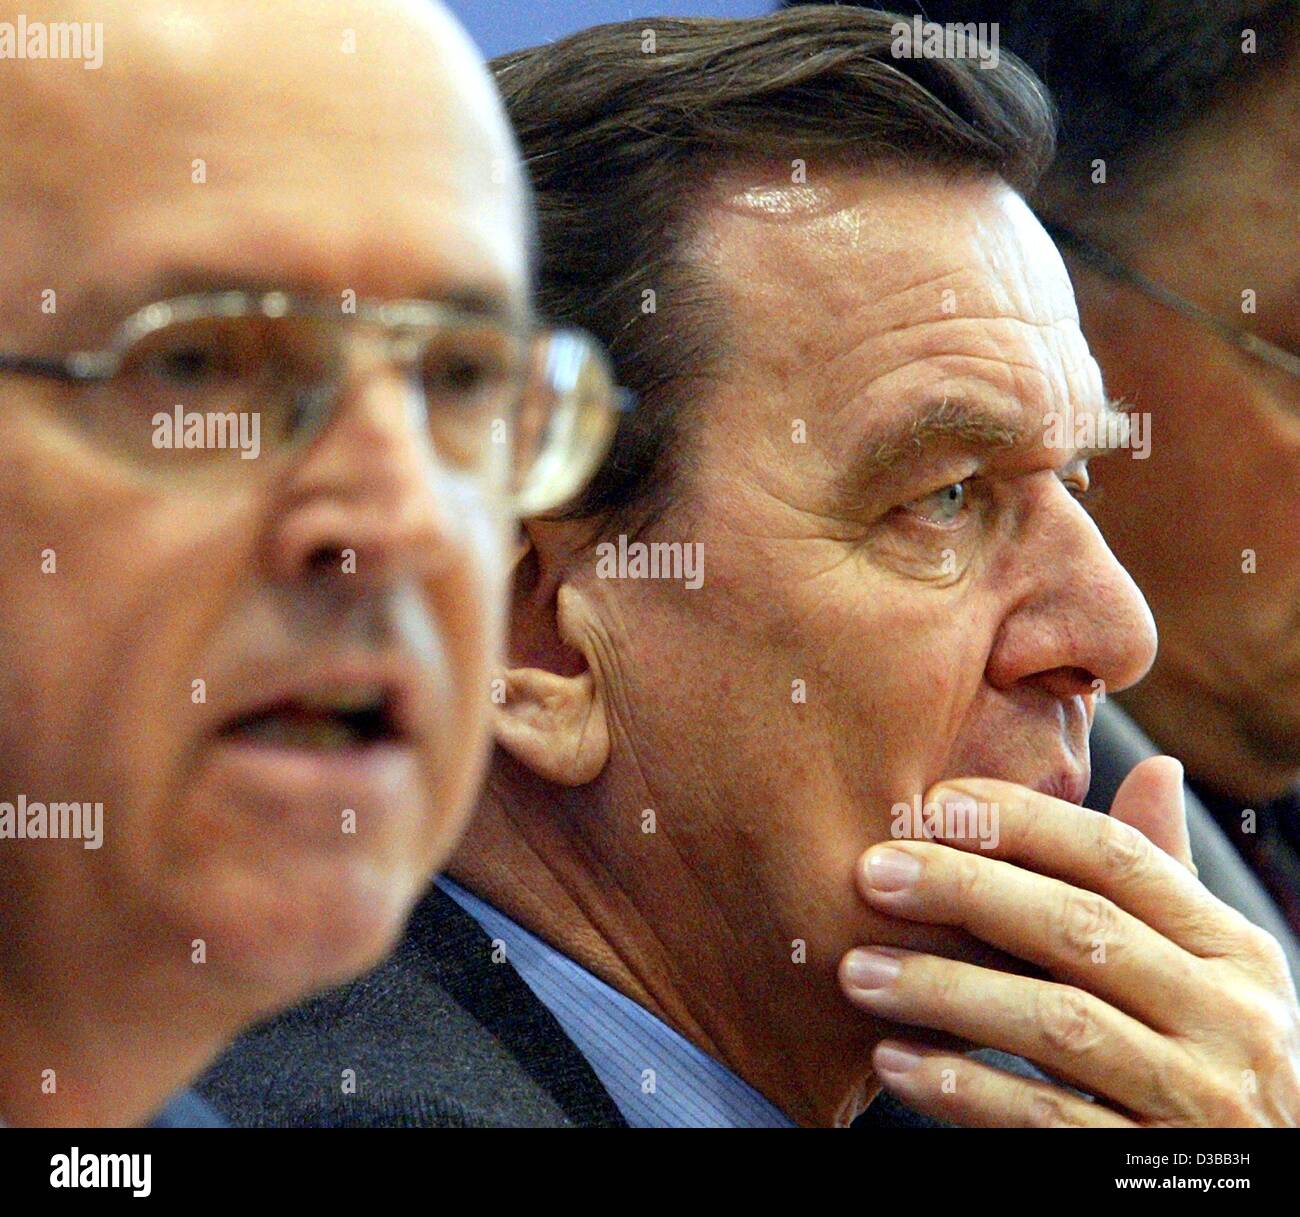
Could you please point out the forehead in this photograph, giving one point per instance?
(880, 241)
(1228, 216)
(863, 275)
(261, 148)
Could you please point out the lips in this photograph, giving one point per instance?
(294, 753)
(1070, 786)
(325, 719)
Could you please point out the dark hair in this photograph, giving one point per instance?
(621, 125)
(1128, 75)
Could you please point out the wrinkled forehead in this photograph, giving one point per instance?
(885, 241)
(870, 293)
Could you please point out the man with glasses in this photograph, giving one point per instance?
(695, 865)
(1244, 760)
(272, 402)
(1191, 308)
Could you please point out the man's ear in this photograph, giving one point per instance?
(553, 719)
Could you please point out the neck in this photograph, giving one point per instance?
(657, 934)
(1185, 718)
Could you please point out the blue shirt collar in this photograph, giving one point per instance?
(656, 1077)
(188, 1110)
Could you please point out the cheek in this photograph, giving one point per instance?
(1267, 506)
(827, 701)
(901, 666)
(100, 649)
(108, 602)
(905, 659)
(1207, 530)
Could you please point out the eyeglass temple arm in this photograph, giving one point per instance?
(80, 367)
(1111, 266)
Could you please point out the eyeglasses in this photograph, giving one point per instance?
(218, 378)
(1112, 267)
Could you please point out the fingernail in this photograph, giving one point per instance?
(891, 870)
(890, 1058)
(871, 970)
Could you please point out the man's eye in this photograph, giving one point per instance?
(457, 377)
(469, 367)
(1081, 490)
(184, 365)
(944, 506)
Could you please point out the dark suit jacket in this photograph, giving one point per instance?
(438, 1036)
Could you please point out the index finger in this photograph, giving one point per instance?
(1092, 851)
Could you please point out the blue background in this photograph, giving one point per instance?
(498, 27)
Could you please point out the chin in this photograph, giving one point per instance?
(360, 927)
(279, 939)
(289, 905)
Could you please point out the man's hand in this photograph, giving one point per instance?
(1165, 1003)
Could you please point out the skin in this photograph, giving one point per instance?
(1224, 694)
(377, 171)
(1188, 1017)
(730, 920)
(1163, 1002)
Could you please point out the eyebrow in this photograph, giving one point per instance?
(1114, 416)
(950, 419)
(908, 440)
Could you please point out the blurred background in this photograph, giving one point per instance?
(498, 27)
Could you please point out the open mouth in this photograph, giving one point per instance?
(323, 722)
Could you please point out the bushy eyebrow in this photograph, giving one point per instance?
(949, 419)
(907, 441)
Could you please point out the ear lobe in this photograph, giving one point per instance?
(553, 723)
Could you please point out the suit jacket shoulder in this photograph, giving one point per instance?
(438, 1035)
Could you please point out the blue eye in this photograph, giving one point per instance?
(944, 506)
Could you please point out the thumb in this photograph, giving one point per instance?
(1150, 799)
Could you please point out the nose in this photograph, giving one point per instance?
(1079, 623)
(368, 501)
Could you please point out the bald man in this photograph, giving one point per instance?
(264, 306)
